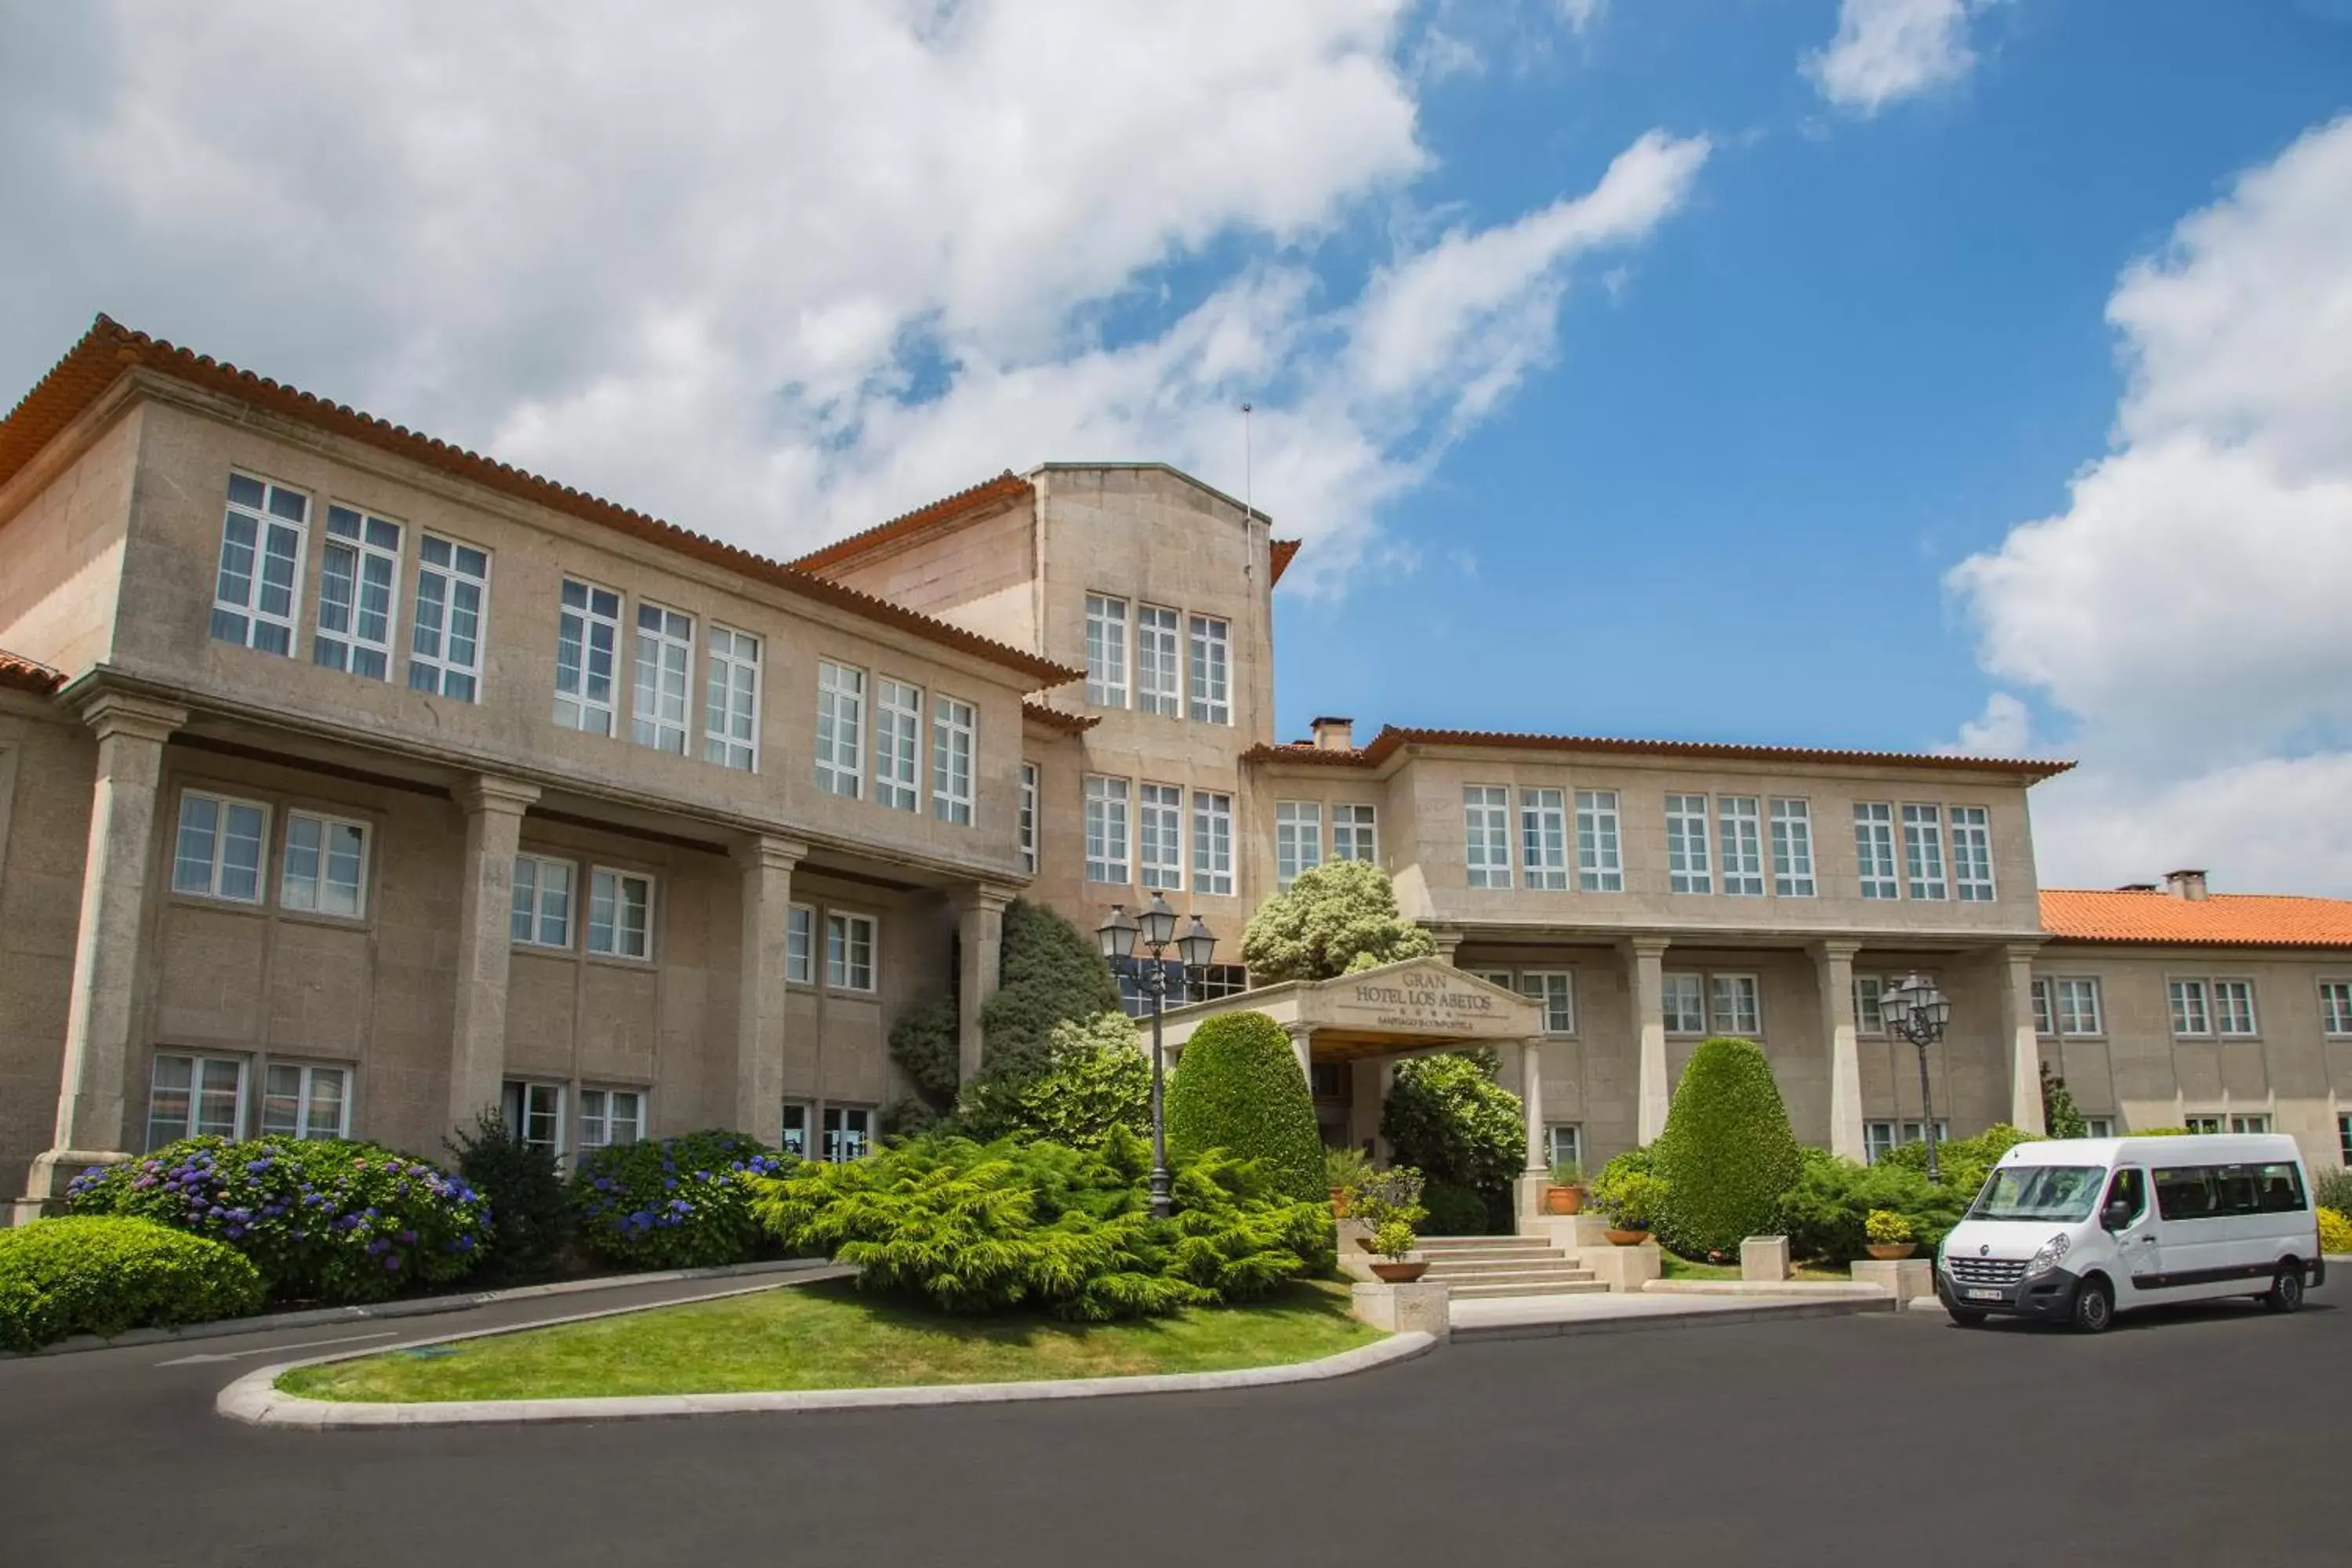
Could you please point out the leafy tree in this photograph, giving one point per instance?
(530, 1213)
(1051, 973)
(1094, 1079)
(1448, 1116)
(1238, 1087)
(2059, 1113)
(1337, 918)
(1727, 1153)
(923, 1043)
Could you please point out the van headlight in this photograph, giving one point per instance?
(2052, 1253)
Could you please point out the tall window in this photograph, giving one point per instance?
(849, 951)
(1212, 695)
(796, 1128)
(1298, 840)
(799, 945)
(359, 573)
(840, 727)
(1554, 992)
(534, 1112)
(1874, 848)
(1686, 860)
(1543, 838)
(1028, 817)
(1922, 851)
(304, 1101)
(1213, 842)
(1564, 1145)
(1684, 1004)
(2192, 1011)
(2078, 1001)
(730, 706)
(1487, 834)
(260, 563)
(1598, 866)
(1107, 831)
(611, 1116)
(195, 1096)
(2233, 1008)
(1106, 651)
(2335, 1010)
(848, 1129)
(1734, 1005)
(2045, 1010)
(1869, 1015)
(620, 913)
(665, 668)
(1792, 849)
(542, 912)
(1159, 666)
(1973, 853)
(1741, 823)
(1355, 835)
(953, 730)
(445, 646)
(588, 629)
(1160, 835)
(898, 743)
(325, 865)
(220, 847)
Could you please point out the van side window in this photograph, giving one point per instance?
(2282, 1189)
(2130, 1188)
(2213, 1191)
(2185, 1192)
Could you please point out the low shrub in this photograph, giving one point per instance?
(680, 1203)
(323, 1219)
(1618, 1195)
(2160, 1133)
(1393, 1240)
(1092, 1079)
(1454, 1210)
(1826, 1215)
(1963, 1162)
(1376, 1197)
(106, 1274)
(2334, 1232)
(1727, 1153)
(2333, 1189)
(530, 1213)
(1884, 1228)
(1238, 1087)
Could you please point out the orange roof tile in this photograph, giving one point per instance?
(1283, 550)
(986, 496)
(1053, 718)
(1391, 738)
(110, 349)
(28, 675)
(2219, 920)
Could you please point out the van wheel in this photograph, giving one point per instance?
(1964, 1318)
(2285, 1294)
(2094, 1307)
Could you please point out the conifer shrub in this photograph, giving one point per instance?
(529, 1211)
(923, 1043)
(1727, 1153)
(106, 1274)
(1825, 1213)
(1238, 1087)
(680, 1203)
(1051, 973)
(2060, 1114)
(1962, 1162)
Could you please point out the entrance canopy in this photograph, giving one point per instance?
(1399, 1009)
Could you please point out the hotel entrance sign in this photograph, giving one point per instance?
(1425, 999)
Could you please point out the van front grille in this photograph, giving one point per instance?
(1986, 1271)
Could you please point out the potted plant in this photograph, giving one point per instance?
(1381, 1198)
(1633, 1202)
(1393, 1240)
(1342, 1168)
(1890, 1235)
(1566, 1193)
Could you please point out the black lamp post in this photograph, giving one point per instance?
(1157, 931)
(1916, 1010)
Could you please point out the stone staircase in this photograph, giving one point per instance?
(1481, 1266)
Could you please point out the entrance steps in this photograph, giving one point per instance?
(1477, 1267)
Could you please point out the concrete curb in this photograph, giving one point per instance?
(419, 1307)
(1838, 1307)
(1783, 1289)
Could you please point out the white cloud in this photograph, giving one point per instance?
(2005, 728)
(1581, 14)
(2188, 607)
(778, 272)
(1890, 50)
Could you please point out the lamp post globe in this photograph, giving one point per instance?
(1158, 924)
(1117, 935)
(1196, 946)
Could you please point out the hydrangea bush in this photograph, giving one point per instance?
(323, 1219)
(681, 1202)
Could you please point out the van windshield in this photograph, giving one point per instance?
(2063, 1192)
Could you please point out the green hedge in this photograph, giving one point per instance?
(1824, 1213)
(1238, 1087)
(106, 1275)
(1727, 1153)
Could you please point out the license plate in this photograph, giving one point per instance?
(1984, 1295)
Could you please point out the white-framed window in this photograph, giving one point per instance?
(2202, 1124)
(1543, 838)
(2344, 1142)
(1687, 868)
(358, 581)
(587, 631)
(1298, 840)
(848, 1130)
(453, 597)
(1599, 866)
(1734, 1005)
(542, 912)
(1971, 854)
(848, 951)
(1564, 1145)
(534, 1114)
(1028, 820)
(897, 744)
(664, 670)
(1683, 1004)
(1922, 851)
(1869, 1015)
(840, 727)
(2098, 1127)
(799, 945)
(2045, 1009)
(1106, 651)
(795, 1139)
(1214, 982)
(298, 1102)
(731, 700)
(955, 729)
(620, 913)
(1553, 991)
(325, 868)
(2223, 1007)
(1739, 820)
(1212, 684)
(1879, 1138)
(1793, 848)
(610, 1116)
(2336, 1008)
(2234, 1009)
(2192, 1008)
(1160, 835)
(193, 1096)
(2077, 998)
(220, 847)
(1213, 842)
(1487, 834)
(1874, 848)
(1502, 977)
(1107, 831)
(1158, 664)
(1355, 832)
(262, 534)
(2257, 1121)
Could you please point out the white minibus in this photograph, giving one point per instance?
(2075, 1230)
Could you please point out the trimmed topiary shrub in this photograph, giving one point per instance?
(1094, 1079)
(323, 1219)
(1336, 919)
(530, 1213)
(1727, 1153)
(681, 1202)
(1449, 1117)
(105, 1274)
(923, 1043)
(1051, 973)
(1238, 1087)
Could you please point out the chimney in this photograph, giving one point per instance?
(1334, 734)
(2188, 885)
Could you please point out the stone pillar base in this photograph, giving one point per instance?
(1764, 1259)
(1626, 1268)
(52, 1172)
(1532, 1187)
(1907, 1278)
(1419, 1307)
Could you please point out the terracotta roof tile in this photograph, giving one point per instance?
(2219, 920)
(1391, 738)
(109, 348)
(1283, 551)
(28, 675)
(1055, 719)
(982, 497)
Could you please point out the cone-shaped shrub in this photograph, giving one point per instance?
(1238, 1087)
(1727, 1154)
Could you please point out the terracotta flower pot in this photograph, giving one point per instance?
(1563, 1200)
(1365, 1242)
(1888, 1251)
(1627, 1237)
(1339, 1202)
(1405, 1273)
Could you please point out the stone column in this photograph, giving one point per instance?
(767, 912)
(1834, 969)
(979, 933)
(478, 1038)
(2016, 971)
(1302, 1047)
(93, 1088)
(1448, 940)
(1645, 961)
(1537, 1176)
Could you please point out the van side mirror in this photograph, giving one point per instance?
(2117, 1216)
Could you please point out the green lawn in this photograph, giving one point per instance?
(828, 1336)
(1683, 1268)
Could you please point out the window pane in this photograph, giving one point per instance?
(192, 864)
(241, 853)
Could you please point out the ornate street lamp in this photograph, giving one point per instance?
(1119, 936)
(1916, 1010)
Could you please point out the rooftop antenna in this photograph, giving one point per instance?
(1246, 505)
